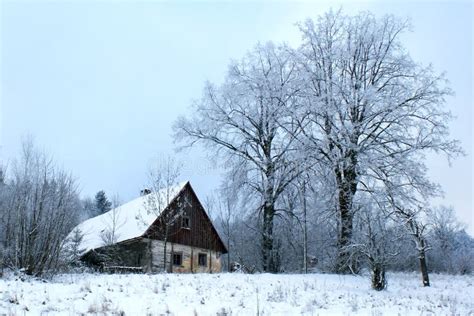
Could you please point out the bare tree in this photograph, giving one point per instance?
(303, 197)
(4, 199)
(418, 231)
(372, 112)
(163, 178)
(113, 223)
(378, 243)
(226, 216)
(226, 219)
(452, 248)
(41, 208)
(246, 122)
(212, 206)
(410, 217)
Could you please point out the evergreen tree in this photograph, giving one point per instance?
(102, 204)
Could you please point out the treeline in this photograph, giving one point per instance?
(450, 247)
(40, 204)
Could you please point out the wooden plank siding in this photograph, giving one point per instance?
(190, 258)
(201, 233)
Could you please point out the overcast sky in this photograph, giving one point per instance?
(99, 84)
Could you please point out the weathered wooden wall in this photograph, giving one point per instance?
(190, 255)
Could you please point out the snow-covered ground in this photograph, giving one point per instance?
(235, 294)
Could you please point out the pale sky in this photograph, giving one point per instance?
(99, 84)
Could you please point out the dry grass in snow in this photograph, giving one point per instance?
(235, 294)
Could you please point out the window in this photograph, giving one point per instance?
(202, 259)
(185, 222)
(177, 258)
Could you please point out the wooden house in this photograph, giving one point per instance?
(160, 231)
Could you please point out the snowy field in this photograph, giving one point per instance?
(235, 294)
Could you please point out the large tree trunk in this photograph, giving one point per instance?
(417, 232)
(268, 251)
(345, 235)
(347, 187)
(379, 281)
(269, 264)
(423, 266)
(228, 254)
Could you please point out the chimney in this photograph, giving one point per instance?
(145, 191)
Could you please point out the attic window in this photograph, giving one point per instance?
(186, 222)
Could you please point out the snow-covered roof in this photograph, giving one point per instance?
(132, 219)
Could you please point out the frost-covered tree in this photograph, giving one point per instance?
(245, 121)
(462, 258)
(114, 221)
(377, 241)
(372, 113)
(111, 233)
(452, 248)
(89, 208)
(225, 219)
(411, 218)
(73, 247)
(38, 207)
(4, 199)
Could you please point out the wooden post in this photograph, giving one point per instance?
(171, 259)
(210, 261)
(192, 257)
(150, 250)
